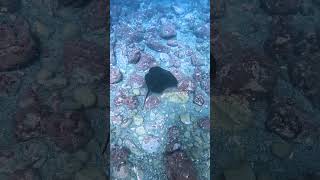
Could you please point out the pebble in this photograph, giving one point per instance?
(85, 96)
(150, 144)
(138, 120)
(185, 118)
(136, 92)
(140, 130)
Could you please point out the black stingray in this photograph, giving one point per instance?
(158, 79)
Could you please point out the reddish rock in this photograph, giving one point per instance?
(203, 31)
(25, 174)
(197, 74)
(204, 123)
(152, 102)
(156, 46)
(95, 14)
(253, 75)
(84, 61)
(119, 155)
(9, 83)
(133, 55)
(198, 99)
(179, 166)
(70, 131)
(136, 80)
(17, 45)
(146, 62)
(168, 31)
(115, 75)
(186, 85)
(131, 102)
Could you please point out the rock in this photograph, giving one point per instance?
(187, 85)
(185, 118)
(253, 75)
(138, 120)
(132, 102)
(95, 15)
(172, 43)
(136, 81)
(121, 172)
(284, 119)
(115, 75)
(156, 46)
(10, 83)
(281, 7)
(168, 31)
(178, 10)
(198, 99)
(150, 144)
(133, 56)
(179, 166)
(25, 174)
(70, 131)
(243, 170)
(84, 61)
(140, 131)
(18, 48)
(119, 155)
(176, 97)
(204, 123)
(85, 96)
(90, 173)
(281, 149)
(203, 31)
(146, 61)
(152, 102)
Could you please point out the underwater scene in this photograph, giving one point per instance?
(160, 89)
(265, 103)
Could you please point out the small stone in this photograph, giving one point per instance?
(138, 120)
(168, 31)
(134, 56)
(121, 172)
(185, 118)
(115, 75)
(85, 96)
(281, 149)
(198, 99)
(150, 144)
(140, 130)
(136, 92)
(172, 43)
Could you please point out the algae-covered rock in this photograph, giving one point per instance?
(176, 97)
(231, 113)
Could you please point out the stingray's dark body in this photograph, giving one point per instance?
(158, 79)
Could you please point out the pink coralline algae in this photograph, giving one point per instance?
(186, 85)
(136, 80)
(115, 75)
(131, 102)
(17, 45)
(152, 102)
(146, 62)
